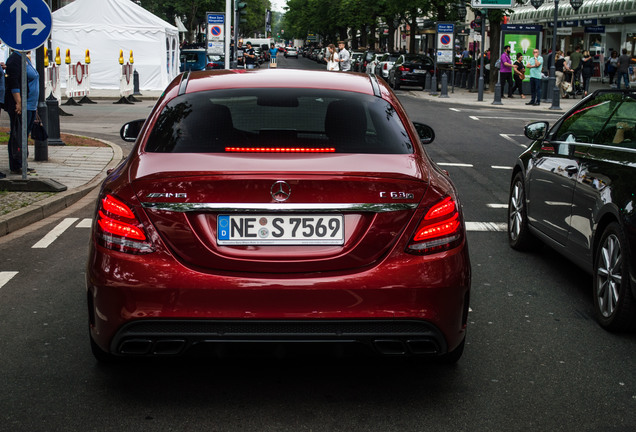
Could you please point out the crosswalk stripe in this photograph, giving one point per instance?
(6, 276)
(486, 226)
(54, 233)
(84, 223)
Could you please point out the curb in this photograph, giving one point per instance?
(35, 212)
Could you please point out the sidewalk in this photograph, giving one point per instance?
(81, 169)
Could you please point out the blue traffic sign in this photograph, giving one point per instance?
(24, 24)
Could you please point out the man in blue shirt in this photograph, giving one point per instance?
(535, 65)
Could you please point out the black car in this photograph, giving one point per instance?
(410, 70)
(573, 189)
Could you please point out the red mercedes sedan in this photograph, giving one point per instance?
(277, 208)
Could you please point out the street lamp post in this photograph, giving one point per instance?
(556, 93)
(461, 14)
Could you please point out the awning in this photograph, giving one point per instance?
(590, 9)
(180, 26)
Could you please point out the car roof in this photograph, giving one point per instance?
(267, 78)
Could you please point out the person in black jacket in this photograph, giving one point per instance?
(2, 66)
(13, 106)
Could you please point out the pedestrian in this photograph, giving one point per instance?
(343, 59)
(240, 50)
(13, 105)
(250, 56)
(519, 75)
(505, 70)
(2, 67)
(332, 63)
(587, 70)
(576, 58)
(612, 67)
(559, 70)
(535, 64)
(273, 52)
(623, 69)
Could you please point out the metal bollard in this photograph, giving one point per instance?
(497, 100)
(53, 122)
(427, 82)
(434, 86)
(444, 93)
(136, 91)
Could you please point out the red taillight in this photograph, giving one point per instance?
(119, 229)
(439, 230)
(403, 69)
(386, 66)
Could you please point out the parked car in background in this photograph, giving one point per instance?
(215, 61)
(367, 57)
(356, 60)
(185, 259)
(373, 63)
(291, 52)
(573, 189)
(193, 60)
(385, 64)
(410, 70)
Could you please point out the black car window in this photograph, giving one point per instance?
(585, 123)
(620, 129)
(250, 120)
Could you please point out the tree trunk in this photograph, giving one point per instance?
(495, 49)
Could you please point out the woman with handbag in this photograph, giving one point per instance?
(519, 75)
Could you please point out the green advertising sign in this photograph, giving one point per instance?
(524, 44)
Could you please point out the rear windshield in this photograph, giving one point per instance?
(257, 120)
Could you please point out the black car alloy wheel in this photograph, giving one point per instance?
(613, 299)
(518, 235)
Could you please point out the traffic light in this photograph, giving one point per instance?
(478, 21)
(240, 8)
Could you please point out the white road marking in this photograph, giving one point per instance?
(455, 164)
(455, 109)
(501, 167)
(85, 223)
(54, 233)
(497, 205)
(6, 276)
(486, 226)
(474, 117)
(512, 140)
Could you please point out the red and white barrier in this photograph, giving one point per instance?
(126, 80)
(77, 80)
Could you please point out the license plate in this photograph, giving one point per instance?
(419, 71)
(314, 229)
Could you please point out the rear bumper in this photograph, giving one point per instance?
(176, 337)
(136, 302)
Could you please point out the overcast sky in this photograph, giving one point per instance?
(278, 5)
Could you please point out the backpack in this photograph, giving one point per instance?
(498, 63)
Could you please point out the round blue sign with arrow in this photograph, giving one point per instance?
(24, 24)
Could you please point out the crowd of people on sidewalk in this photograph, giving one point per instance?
(573, 71)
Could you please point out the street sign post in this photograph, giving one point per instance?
(216, 33)
(24, 26)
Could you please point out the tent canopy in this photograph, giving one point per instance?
(104, 27)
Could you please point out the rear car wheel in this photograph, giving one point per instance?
(519, 237)
(613, 299)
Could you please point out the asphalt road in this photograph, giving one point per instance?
(535, 359)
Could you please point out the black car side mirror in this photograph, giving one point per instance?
(130, 130)
(425, 132)
(536, 130)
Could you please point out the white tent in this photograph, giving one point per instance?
(104, 27)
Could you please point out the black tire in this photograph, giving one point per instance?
(519, 237)
(613, 297)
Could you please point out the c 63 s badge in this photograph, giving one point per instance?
(397, 195)
(167, 195)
